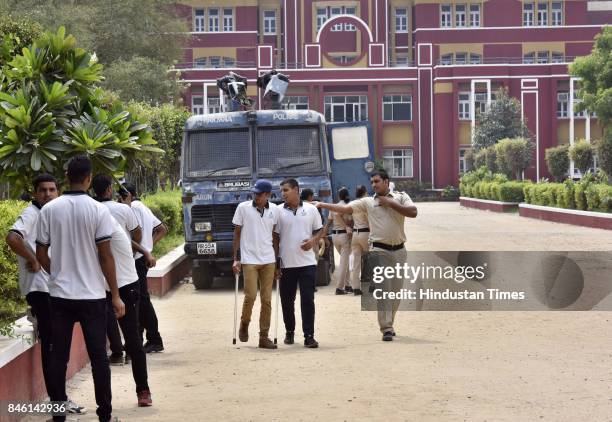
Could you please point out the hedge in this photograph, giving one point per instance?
(584, 195)
(12, 305)
(168, 208)
(483, 184)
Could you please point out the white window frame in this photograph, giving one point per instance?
(214, 105)
(528, 14)
(529, 58)
(462, 161)
(359, 109)
(458, 59)
(446, 59)
(335, 11)
(446, 16)
(215, 58)
(557, 57)
(350, 10)
(295, 102)
(213, 20)
(578, 100)
(228, 20)
(475, 58)
(197, 109)
(475, 15)
(542, 57)
(269, 22)
(543, 14)
(200, 63)
(463, 107)
(556, 13)
(199, 21)
(401, 60)
(562, 105)
(322, 16)
(480, 102)
(390, 100)
(460, 16)
(228, 61)
(401, 20)
(401, 159)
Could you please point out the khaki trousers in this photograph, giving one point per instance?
(342, 243)
(264, 274)
(359, 245)
(388, 308)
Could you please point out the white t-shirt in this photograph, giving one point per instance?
(72, 225)
(256, 233)
(123, 214)
(293, 229)
(25, 226)
(147, 221)
(125, 267)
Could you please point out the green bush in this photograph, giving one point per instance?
(599, 198)
(528, 193)
(513, 156)
(582, 154)
(580, 189)
(168, 208)
(450, 193)
(511, 191)
(12, 305)
(557, 161)
(567, 197)
(604, 154)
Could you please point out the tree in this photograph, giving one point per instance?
(604, 155)
(513, 156)
(595, 72)
(581, 154)
(557, 161)
(501, 121)
(51, 109)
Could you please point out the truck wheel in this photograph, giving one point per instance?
(202, 277)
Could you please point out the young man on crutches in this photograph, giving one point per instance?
(254, 223)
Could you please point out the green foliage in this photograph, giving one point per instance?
(168, 208)
(582, 155)
(470, 160)
(599, 198)
(580, 189)
(12, 305)
(15, 35)
(585, 195)
(511, 191)
(450, 193)
(513, 156)
(604, 154)
(568, 195)
(557, 161)
(595, 72)
(501, 121)
(484, 184)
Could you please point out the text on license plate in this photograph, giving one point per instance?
(207, 248)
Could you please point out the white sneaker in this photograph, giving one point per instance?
(72, 407)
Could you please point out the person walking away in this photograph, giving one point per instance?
(359, 242)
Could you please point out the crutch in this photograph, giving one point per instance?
(277, 300)
(236, 276)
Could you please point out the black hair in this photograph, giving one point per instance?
(79, 168)
(291, 182)
(361, 191)
(343, 194)
(42, 178)
(101, 183)
(306, 193)
(128, 187)
(382, 173)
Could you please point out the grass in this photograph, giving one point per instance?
(167, 244)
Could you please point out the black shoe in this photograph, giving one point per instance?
(116, 359)
(387, 336)
(348, 289)
(340, 292)
(310, 342)
(357, 292)
(289, 337)
(153, 347)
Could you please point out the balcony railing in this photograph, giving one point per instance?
(508, 60)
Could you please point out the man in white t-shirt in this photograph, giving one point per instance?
(299, 228)
(127, 279)
(73, 246)
(32, 278)
(254, 223)
(153, 231)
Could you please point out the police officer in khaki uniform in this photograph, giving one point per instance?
(386, 213)
(359, 241)
(341, 238)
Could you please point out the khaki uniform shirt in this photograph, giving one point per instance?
(360, 219)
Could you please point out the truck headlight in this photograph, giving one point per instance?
(203, 227)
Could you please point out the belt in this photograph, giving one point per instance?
(366, 230)
(338, 231)
(388, 247)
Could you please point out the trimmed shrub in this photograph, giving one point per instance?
(582, 154)
(557, 161)
(512, 191)
(580, 189)
(599, 198)
(168, 208)
(604, 154)
(513, 156)
(567, 197)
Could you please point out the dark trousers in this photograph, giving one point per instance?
(130, 296)
(91, 314)
(148, 318)
(112, 329)
(305, 277)
(41, 309)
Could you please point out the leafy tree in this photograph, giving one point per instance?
(557, 161)
(595, 71)
(582, 155)
(501, 121)
(513, 156)
(604, 155)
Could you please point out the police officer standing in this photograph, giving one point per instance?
(359, 241)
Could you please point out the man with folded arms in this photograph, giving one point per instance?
(386, 213)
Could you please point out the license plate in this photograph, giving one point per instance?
(207, 248)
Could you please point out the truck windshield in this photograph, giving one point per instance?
(288, 149)
(218, 153)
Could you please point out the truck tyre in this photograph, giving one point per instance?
(202, 276)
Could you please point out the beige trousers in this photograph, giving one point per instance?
(342, 243)
(264, 274)
(388, 308)
(359, 245)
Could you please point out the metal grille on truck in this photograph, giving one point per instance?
(219, 215)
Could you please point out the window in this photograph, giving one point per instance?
(321, 17)
(346, 59)
(198, 22)
(474, 15)
(557, 57)
(556, 18)
(480, 102)
(401, 60)
(529, 58)
(350, 11)
(397, 108)
(213, 20)
(542, 14)
(460, 58)
(295, 103)
(401, 20)
(562, 104)
(446, 59)
(228, 62)
(460, 15)
(578, 100)
(464, 106)
(197, 104)
(214, 105)
(215, 61)
(269, 22)
(398, 162)
(542, 57)
(462, 162)
(528, 14)
(228, 20)
(350, 108)
(200, 63)
(475, 58)
(445, 16)
(350, 142)
(335, 11)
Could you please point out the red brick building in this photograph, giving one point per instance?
(418, 70)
